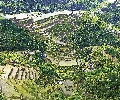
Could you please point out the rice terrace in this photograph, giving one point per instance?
(60, 50)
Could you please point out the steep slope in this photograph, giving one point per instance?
(84, 54)
(18, 79)
(14, 38)
(72, 33)
(63, 33)
(16, 51)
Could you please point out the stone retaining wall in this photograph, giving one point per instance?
(21, 73)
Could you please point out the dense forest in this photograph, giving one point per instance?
(46, 6)
(76, 57)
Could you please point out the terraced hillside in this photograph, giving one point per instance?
(77, 57)
(55, 30)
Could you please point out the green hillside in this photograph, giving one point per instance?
(74, 32)
(82, 59)
(14, 38)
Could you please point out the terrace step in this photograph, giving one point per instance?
(21, 73)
